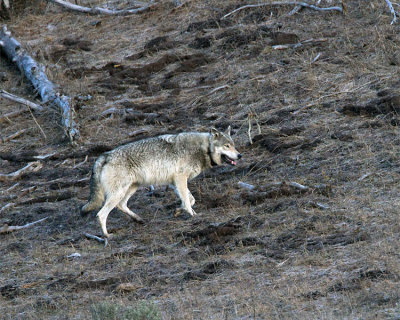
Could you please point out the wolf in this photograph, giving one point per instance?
(170, 159)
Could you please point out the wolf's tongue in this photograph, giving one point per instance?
(233, 163)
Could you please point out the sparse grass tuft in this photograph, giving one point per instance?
(110, 311)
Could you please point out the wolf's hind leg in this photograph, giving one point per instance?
(192, 199)
(184, 194)
(123, 204)
(112, 200)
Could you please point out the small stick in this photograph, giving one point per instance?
(245, 185)
(8, 205)
(283, 3)
(298, 185)
(13, 97)
(8, 116)
(7, 229)
(137, 132)
(13, 136)
(80, 163)
(101, 240)
(249, 128)
(45, 156)
(30, 167)
(296, 45)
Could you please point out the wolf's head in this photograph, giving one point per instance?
(222, 147)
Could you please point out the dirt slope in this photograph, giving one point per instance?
(323, 115)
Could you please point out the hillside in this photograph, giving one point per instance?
(317, 124)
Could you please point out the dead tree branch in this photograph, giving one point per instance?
(98, 10)
(284, 3)
(12, 97)
(297, 45)
(13, 136)
(30, 167)
(34, 72)
(392, 11)
(7, 229)
(101, 240)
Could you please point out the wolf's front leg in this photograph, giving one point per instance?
(184, 194)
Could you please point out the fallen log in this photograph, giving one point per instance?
(35, 73)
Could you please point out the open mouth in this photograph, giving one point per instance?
(228, 160)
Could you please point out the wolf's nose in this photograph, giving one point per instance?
(239, 155)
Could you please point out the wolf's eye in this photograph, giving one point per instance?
(227, 146)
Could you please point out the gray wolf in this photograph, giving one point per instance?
(167, 159)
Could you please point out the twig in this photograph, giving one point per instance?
(38, 125)
(12, 97)
(101, 240)
(8, 116)
(137, 132)
(296, 45)
(30, 167)
(13, 136)
(98, 10)
(245, 185)
(283, 3)
(392, 11)
(7, 229)
(294, 10)
(298, 186)
(80, 163)
(7, 206)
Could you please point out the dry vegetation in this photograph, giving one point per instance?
(324, 115)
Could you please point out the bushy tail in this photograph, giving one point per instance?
(96, 191)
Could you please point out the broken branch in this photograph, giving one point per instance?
(12, 97)
(98, 10)
(284, 3)
(101, 240)
(34, 72)
(392, 11)
(13, 136)
(8, 116)
(7, 229)
(30, 167)
(296, 45)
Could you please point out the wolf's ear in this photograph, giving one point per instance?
(214, 133)
(228, 131)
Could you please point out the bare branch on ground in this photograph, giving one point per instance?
(30, 167)
(12, 97)
(93, 237)
(392, 11)
(34, 72)
(13, 136)
(284, 3)
(98, 10)
(7, 229)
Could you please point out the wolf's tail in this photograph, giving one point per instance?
(96, 191)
